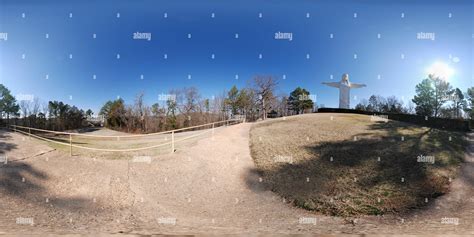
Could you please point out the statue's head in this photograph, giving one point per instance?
(345, 78)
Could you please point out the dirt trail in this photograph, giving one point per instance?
(210, 187)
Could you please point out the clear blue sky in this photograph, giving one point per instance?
(451, 21)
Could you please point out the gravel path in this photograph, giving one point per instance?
(210, 187)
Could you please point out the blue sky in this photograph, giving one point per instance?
(451, 22)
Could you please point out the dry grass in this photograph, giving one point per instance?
(124, 143)
(346, 164)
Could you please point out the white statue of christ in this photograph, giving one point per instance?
(344, 90)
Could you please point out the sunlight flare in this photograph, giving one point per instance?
(441, 70)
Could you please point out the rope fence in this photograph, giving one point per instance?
(209, 127)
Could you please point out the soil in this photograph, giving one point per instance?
(208, 187)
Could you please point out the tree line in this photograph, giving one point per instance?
(258, 100)
(178, 109)
(186, 107)
(31, 112)
(435, 97)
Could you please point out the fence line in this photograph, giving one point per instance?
(125, 136)
(173, 141)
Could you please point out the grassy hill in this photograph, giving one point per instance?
(348, 164)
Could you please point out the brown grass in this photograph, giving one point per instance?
(346, 164)
(124, 143)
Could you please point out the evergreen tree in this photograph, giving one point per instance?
(8, 105)
(469, 107)
(424, 98)
(459, 102)
(299, 100)
(442, 93)
(232, 100)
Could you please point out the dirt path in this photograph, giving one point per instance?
(210, 187)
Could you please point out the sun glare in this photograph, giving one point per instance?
(441, 70)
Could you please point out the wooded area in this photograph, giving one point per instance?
(258, 100)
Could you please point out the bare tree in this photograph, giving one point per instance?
(147, 118)
(282, 105)
(191, 98)
(129, 118)
(44, 108)
(25, 108)
(409, 108)
(218, 106)
(36, 104)
(264, 87)
(139, 111)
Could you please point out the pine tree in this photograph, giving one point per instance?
(299, 100)
(424, 98)
(8, 105)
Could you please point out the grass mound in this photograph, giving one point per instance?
(345, 164)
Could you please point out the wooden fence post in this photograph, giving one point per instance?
(172, 141)
(70, 145)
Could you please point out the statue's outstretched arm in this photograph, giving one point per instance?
(333, 84)
(353, 85)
